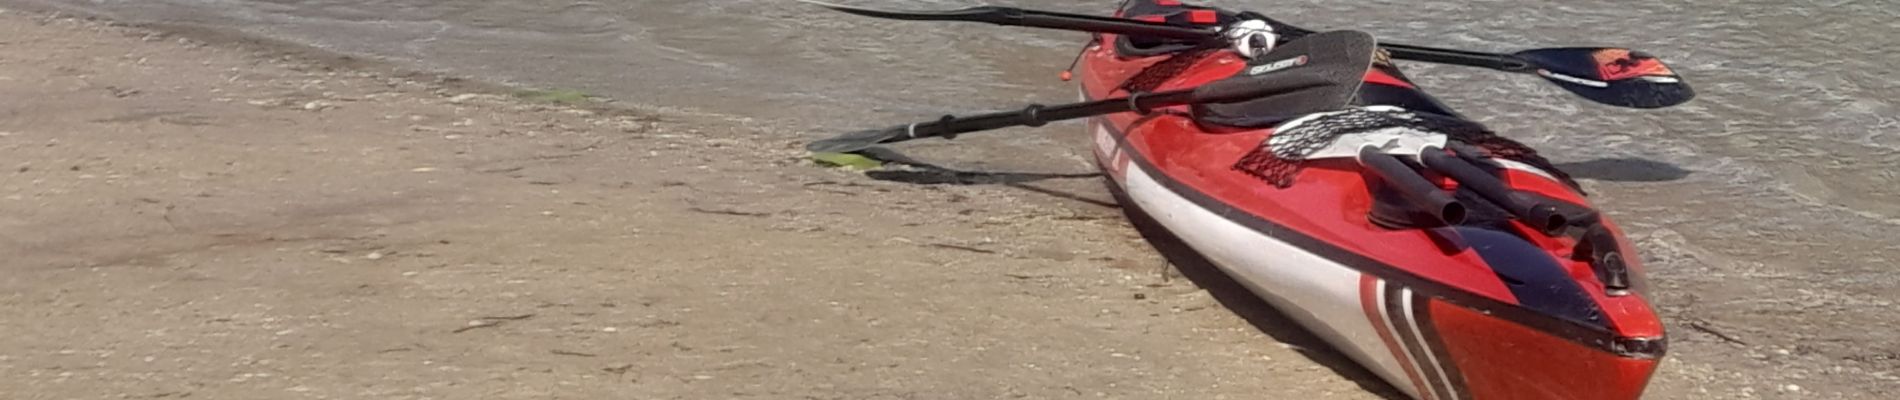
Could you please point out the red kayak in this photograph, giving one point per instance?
(1468, 311)
(1449, 260)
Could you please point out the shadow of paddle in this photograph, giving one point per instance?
(1627, 169)
(944, 176)
(932, 174)
(1010, 179)
(1244, 303)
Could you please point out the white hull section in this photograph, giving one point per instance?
(1322, 295)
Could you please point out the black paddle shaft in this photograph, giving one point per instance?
(1010, 16)
(1111, 25)
(1501, 62)
(1037, 115)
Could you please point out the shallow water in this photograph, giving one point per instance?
(1794, 138)
(1776, 78)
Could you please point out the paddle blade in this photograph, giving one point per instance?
(856, 141)
(1614, 76)
(1316, 73)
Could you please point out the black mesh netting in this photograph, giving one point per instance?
(1159, 72)
(1279, 158)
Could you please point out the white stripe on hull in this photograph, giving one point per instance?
(1380, 300)
(1320, 294)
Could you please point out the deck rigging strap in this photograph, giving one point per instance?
(1279, 158)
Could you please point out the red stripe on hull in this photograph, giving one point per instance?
(1369, 300)
(1503, 360)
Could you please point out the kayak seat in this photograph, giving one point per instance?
(1170, 12)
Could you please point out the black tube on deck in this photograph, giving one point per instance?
(1423, 195)
(1536, 214)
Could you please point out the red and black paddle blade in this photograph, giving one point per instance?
(1614, 76)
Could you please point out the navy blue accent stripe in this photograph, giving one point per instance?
(1590, 336)
(1533, 276)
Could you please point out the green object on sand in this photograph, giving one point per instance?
(847, 160)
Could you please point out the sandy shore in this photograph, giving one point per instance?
(183, 219)
(212, 221)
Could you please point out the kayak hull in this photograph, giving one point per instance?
(1432, 321)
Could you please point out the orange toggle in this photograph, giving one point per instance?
(1203, 17)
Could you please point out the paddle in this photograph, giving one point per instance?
(1612, 76)
(1008, 16)
(1316, 73)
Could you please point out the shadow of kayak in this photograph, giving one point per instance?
(1197, 269)
(1626, 169)
(1250, 307)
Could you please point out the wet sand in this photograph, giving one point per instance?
(216, 222)
(225, 222)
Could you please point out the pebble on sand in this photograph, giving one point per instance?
(459, 99)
